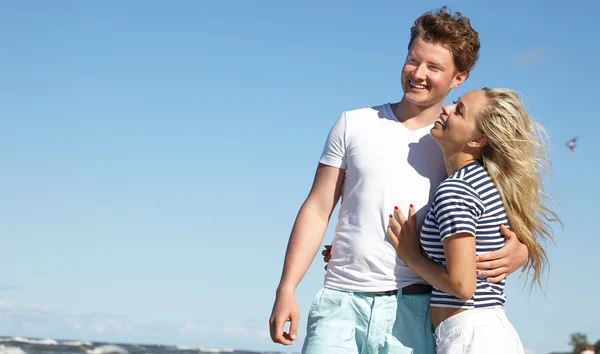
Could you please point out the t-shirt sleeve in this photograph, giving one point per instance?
(458, 208)
(334, 152)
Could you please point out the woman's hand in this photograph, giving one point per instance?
(404, 236)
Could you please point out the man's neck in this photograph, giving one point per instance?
(415, 117)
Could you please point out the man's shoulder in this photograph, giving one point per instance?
(367, 109)
(366, 113)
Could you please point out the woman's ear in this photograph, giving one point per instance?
(478, 142)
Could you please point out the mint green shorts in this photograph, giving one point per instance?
(360, 323)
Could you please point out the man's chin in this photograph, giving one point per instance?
(419, 99)
(422, 99)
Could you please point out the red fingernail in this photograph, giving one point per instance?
(396, 207)
(391, 216)
(411, 206)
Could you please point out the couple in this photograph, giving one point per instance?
(466, 174)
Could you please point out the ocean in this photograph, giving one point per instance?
(18, 345)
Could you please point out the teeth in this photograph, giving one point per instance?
(417, 86)
(441, 121)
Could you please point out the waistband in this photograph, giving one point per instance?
(413, 289)
(474, 317)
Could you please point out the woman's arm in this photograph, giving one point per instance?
(458, 277)
(452, 220)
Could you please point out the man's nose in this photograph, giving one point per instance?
(420, 73)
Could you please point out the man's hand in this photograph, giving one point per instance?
(285, 309)
(497, 265)
(326, 255)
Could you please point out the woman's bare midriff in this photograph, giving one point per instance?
(439, 314)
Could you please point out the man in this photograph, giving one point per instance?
(378, 158)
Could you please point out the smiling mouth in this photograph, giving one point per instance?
(416, 86)
(441, 122)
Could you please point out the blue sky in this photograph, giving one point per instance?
(155, 154)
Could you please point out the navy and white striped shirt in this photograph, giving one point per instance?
(466, 202)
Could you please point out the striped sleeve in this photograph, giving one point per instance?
(458, 208)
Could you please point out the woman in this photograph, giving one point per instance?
(492, 151)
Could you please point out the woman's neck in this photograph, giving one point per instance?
(456, 161)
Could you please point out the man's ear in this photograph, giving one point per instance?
(479, 142)
(458, 79)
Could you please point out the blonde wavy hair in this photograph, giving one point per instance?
(515, 158)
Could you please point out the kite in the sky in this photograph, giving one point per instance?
(572, 144)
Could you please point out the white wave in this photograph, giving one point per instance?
(203, 350)
(10, 350)
(47, 341)
(185, 347)
(76, 343)
(107, 349)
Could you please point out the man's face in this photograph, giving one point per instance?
(429, 73)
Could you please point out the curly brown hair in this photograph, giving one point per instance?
(453, 31)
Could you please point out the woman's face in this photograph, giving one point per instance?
(456, 125)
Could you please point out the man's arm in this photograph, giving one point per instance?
(310, 226)
(497, 265)
(305, 239)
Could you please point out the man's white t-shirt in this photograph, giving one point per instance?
(385, 165)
